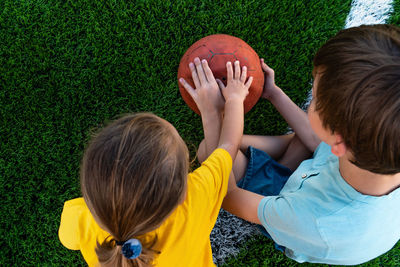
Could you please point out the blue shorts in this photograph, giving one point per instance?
(264, 176)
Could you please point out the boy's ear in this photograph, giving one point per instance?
(339, 147)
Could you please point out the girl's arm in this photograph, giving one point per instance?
(208, 99)
(234, 93)
(238, 201)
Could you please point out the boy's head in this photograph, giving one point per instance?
(357, 95)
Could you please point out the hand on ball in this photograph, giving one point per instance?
(206, 93)
(236, 87)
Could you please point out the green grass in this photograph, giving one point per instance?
(66, 67)
(395, 16)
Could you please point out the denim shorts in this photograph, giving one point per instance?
(264, 176)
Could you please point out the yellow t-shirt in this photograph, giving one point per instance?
(183, 238)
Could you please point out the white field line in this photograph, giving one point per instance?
(369, 12)
(365, 12)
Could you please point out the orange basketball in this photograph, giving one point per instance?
(218, 49)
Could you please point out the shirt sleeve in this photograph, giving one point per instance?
(79, 231)
(208, 184)
(68, 232)
(290, 222)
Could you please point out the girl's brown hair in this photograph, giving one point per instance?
(133, 175)
(358, 94)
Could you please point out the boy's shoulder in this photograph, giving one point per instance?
(319, 185)
(321, 167)
(322, 152)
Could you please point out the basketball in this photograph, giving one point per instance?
(218, 49)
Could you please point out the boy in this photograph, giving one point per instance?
(340, 206)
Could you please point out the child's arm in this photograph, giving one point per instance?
(238, 201)
(208, 99)
(234, 93)
(242, 203)
(294, 116)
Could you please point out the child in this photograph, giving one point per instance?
(340, 206)
(140, 207)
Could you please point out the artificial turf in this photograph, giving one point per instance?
(66, 67)
(395, 14)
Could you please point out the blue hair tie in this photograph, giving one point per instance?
(131, 249)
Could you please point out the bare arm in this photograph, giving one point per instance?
(242, 203)
(208, 99)
(234, 93)
(212, 128)
(294, 116)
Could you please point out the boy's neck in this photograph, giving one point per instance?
(366, 182)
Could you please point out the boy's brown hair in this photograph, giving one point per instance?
(358, 94)
(133, 175)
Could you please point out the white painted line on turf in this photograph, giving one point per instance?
(365, 12)
(368, 12)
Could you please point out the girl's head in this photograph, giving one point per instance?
(133, 175)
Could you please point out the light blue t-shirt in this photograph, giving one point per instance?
(320, 218)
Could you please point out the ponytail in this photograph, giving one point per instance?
(110, 253)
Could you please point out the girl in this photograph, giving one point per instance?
(140, 207)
